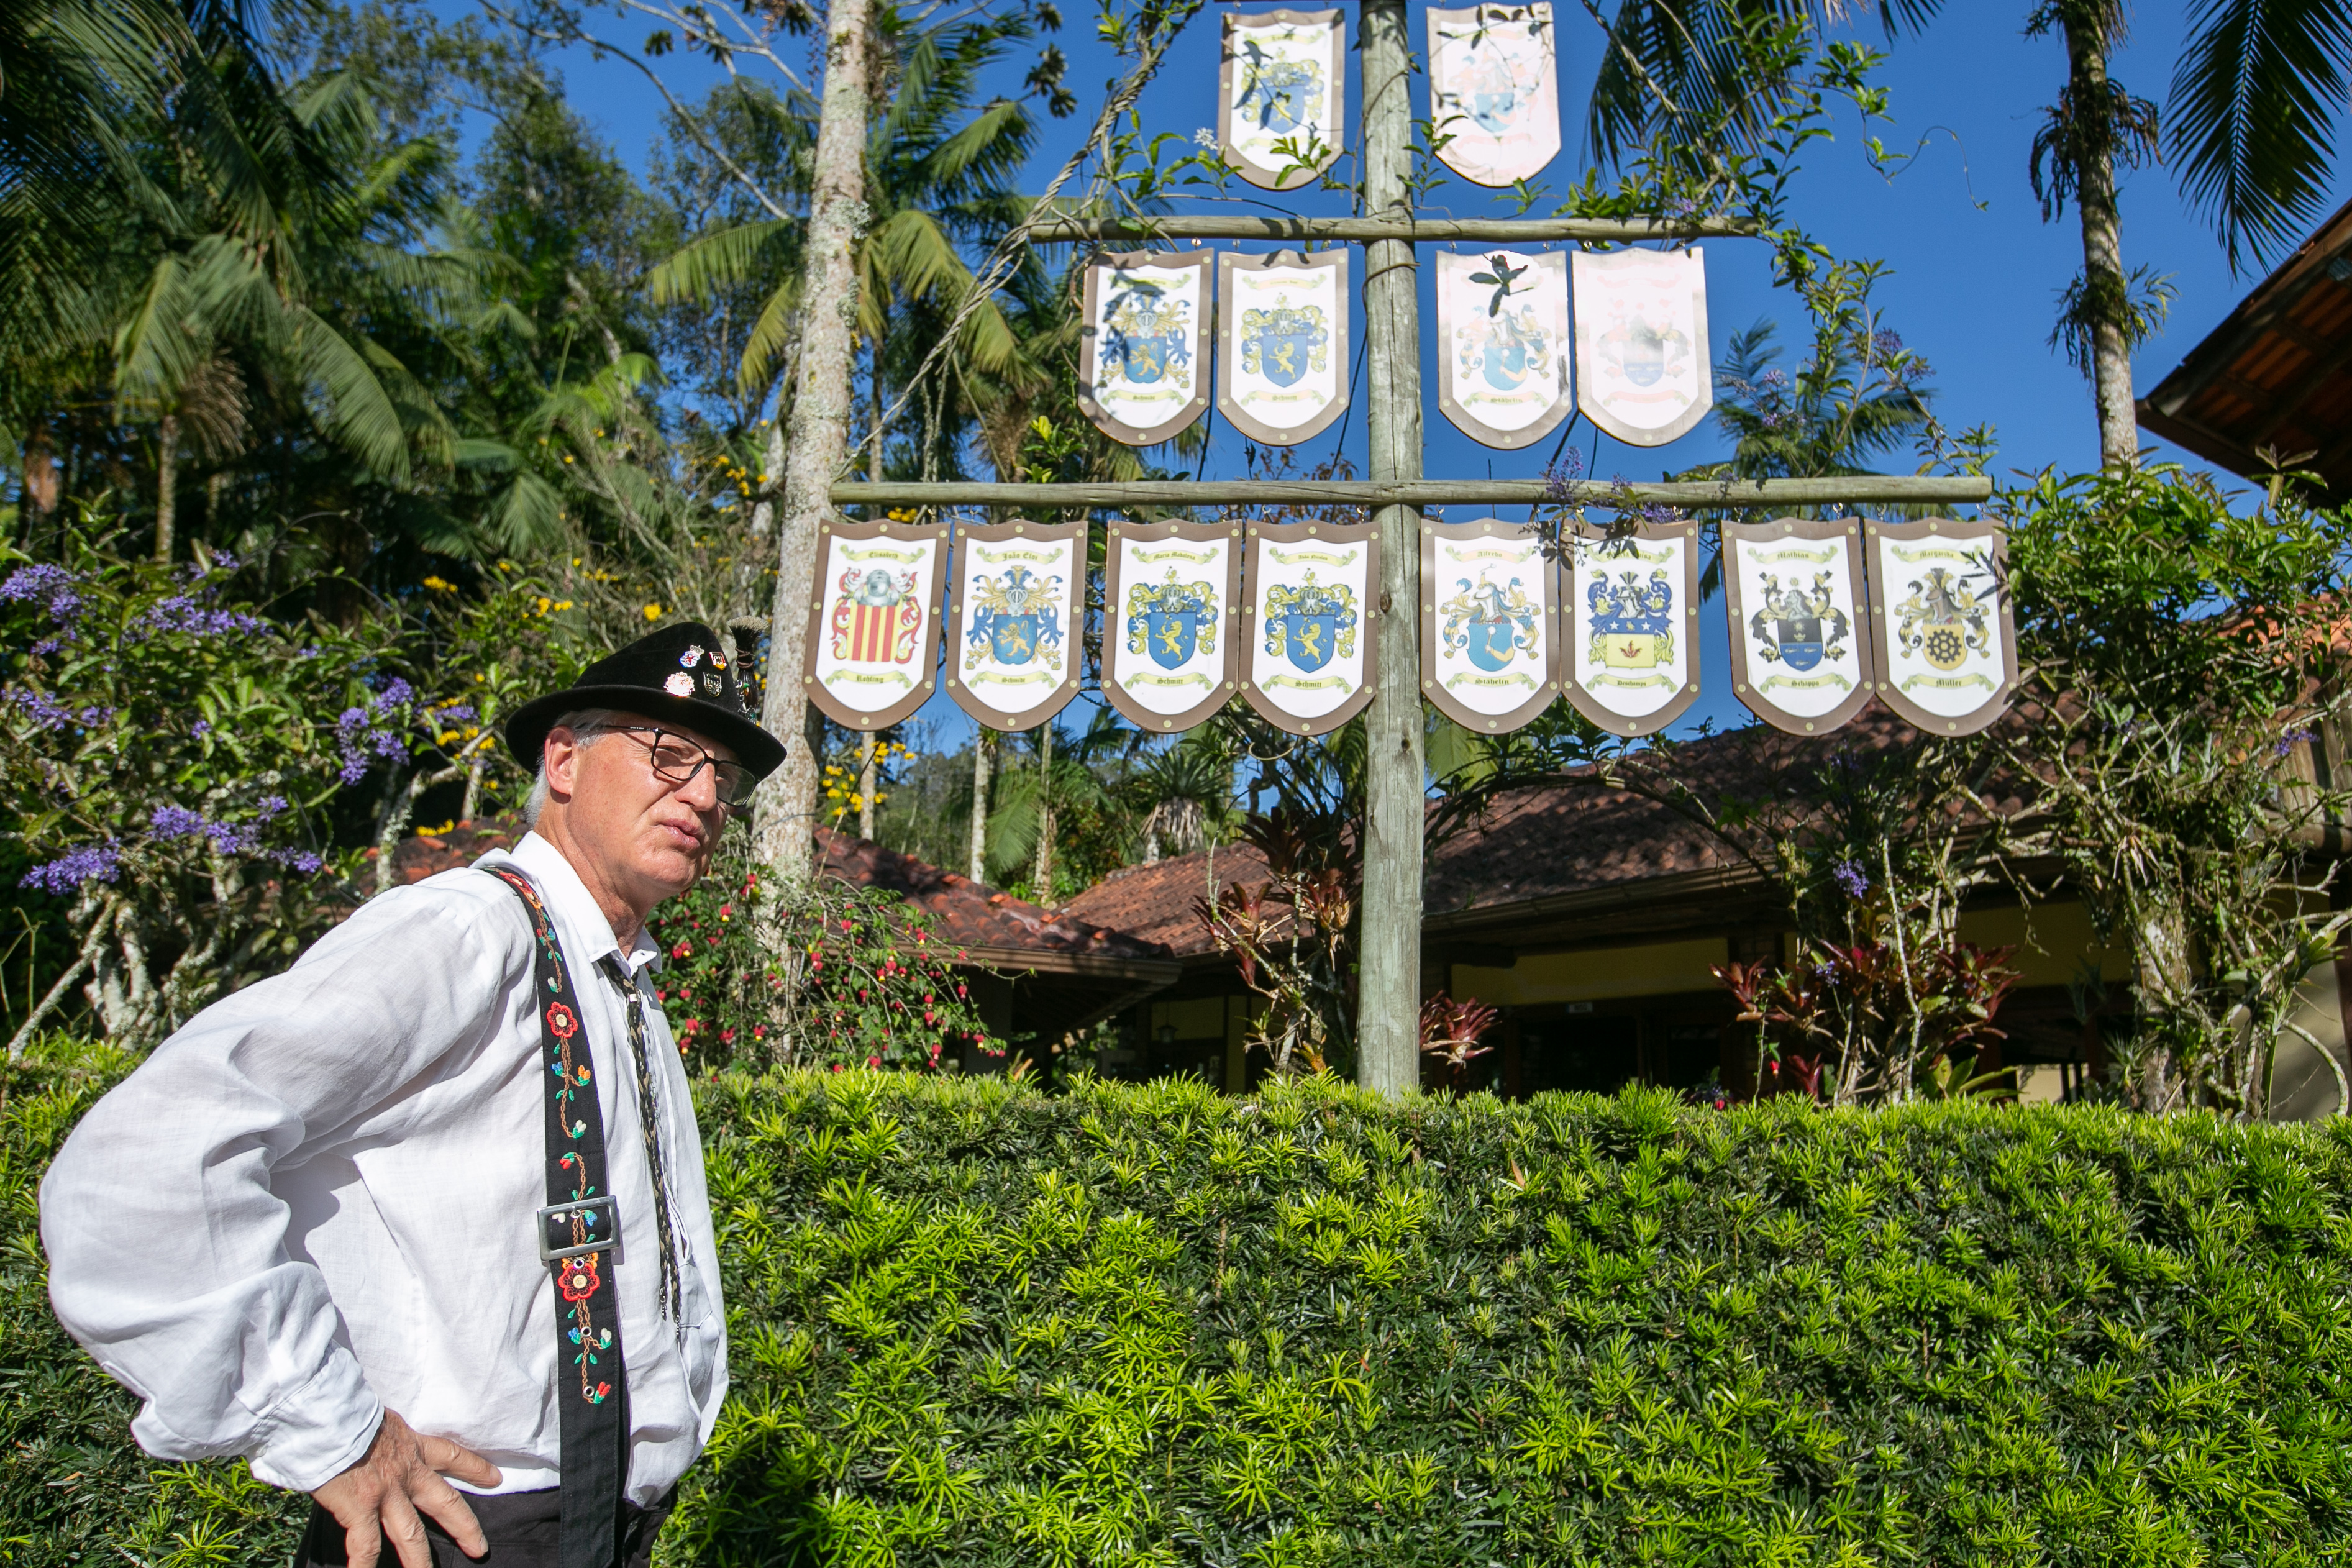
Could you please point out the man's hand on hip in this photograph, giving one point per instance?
(379, 1498)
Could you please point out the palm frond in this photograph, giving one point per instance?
(2255, 96)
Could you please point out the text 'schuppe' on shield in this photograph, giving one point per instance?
(1494, 90)
(1310, 587)
(1940, 624)
(1143, 356)
(1642, 367)
(1502, 329)
(874, 629)
(1015, 620)
(1801, 655)
(1631, 614)
(1282, 357)
(1171, 593)
(1489, 626)
(1282, 114)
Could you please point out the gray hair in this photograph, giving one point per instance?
(589, 724)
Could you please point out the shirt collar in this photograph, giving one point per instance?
(569, 897)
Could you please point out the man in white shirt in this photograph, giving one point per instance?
(319, 1226)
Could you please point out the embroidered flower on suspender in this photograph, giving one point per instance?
(579, 1280)
(561, 1022)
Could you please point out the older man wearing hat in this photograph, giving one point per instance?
(426, 1211)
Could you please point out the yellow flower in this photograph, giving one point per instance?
(439, 586)
(653, 612)
(563, 604)
(443, 738)
(543, 603)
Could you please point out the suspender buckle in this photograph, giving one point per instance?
(571, 1230)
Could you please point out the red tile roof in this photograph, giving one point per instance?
(1155, 901)
(998, 929)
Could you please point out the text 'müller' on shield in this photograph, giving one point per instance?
(1015, 607)
(1170, 602)
(1310, 587)
(1143, 352)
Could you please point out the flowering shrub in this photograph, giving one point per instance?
(165, 759)
(867, 983)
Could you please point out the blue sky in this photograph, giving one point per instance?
(1974, 271)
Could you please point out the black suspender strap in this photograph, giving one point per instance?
(579, 1238)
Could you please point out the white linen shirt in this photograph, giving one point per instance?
(317, 1199)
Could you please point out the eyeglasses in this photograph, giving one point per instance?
(677, 760)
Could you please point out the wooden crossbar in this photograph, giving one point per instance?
(1365, 230)
(1745, 494)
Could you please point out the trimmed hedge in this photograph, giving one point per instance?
(977, 1325)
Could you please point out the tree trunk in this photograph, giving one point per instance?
(167, 482)
(1388, 993)
(1041, 875)
(2104, 286)
(866, 787)
(983, 751)
(818, 441)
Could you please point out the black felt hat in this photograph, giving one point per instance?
(680, 673)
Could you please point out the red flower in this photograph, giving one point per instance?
(725, 1036)
(874, 1061)
(560, 1022)
(759, 1031)
(578, 1281)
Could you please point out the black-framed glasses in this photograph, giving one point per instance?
(676, 760)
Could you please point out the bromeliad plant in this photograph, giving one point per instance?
(1291, 939)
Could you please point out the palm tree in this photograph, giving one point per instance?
(2253, 103)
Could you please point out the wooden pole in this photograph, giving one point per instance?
(785, 809)
(1388, 993)
(1391, 225)
(1745, 494)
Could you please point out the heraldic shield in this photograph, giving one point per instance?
(1281, 361)
(1630, 622)
(1801, 654)
(1489, 624)
(1494, 90)
(1502, 319)
(1282, 112)
(1940, 624)
(1016, 593)
(1170, 599)
(1643, 371)
(1143, 352)
(1309, 603)
(874, 631)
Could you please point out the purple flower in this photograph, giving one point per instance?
(177, 822)
(1562, 475)
(457, 713)
(1885, 344)
(1848, 876)
(51, 585)
(397, 694)
(91, 862)
(270, 806)
(301, 860)
(200, 729)
(224, 561)
(40, 708)
(2293, 738)
(187, 613)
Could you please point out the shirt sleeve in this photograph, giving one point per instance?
(167, 1249)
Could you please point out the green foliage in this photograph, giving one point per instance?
(864, 981)
(976, 1325)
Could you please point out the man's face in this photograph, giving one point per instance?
(648, 839)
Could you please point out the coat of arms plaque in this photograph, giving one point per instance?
(1281, 114)
(1800, 656)
(1015, 607)
(873, 630)
(1489, 624)
(1502, 330)
(1641, 368)
(1631, 619)
(1940, 623)
(1171, 598)
(1494, 90)
(1281, 361)
(1143, 370)
(1310, 588)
